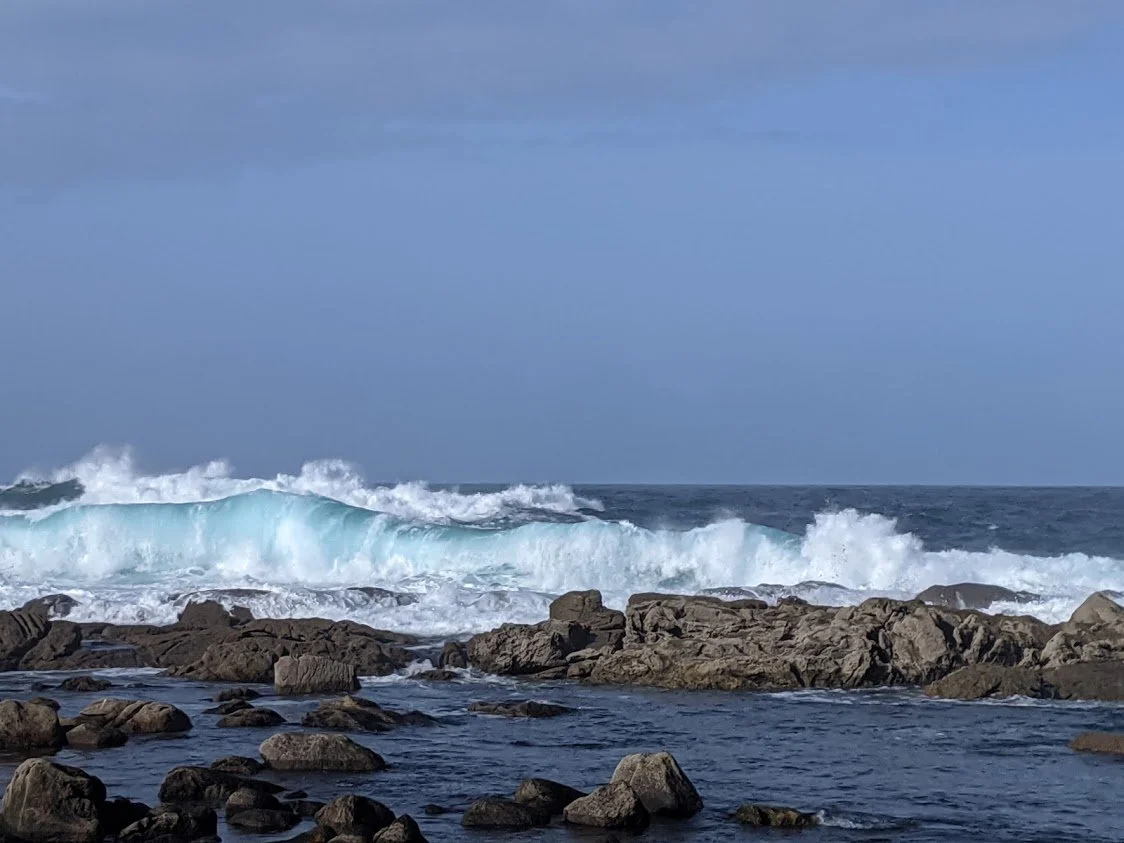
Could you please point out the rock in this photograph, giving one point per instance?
(239, 765)
(402, 830)
(1098, 608)
(208, 787)
(51, 605)
(173, 824)
(306, 808)
(263, 820)
(546, 795)
(773, 817)
(439, 675)
(453, 654)
(246, 798)
(231, 694)
(524, 650)
(248, 652)
(49, 802)
(19, 632)
(587, 609)
(983, 681)
(88, 736)
(660, 783)
(120, 813)
(136, 717)
(208, 614)
(62, 639)
(1102, 681)
(313, 751)
(354, 815)
(228, 707)
(972, 595)
(356, 714)
(296, 794)
(527, 708)
(26, 726)
(252, 718)
(614, 806)
(85, 684)
(432, 810)
(313, 675)
(1111, 743)
(497, 812)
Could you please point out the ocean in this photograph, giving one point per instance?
(447, 561)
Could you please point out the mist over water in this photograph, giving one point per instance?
(136, 547)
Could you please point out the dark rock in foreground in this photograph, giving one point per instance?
(614, 806)
(199, 785)
(660, 783)
(402, 830)
(173, 824)
(527, 708)
(773, 817)
(497, 812)
(305, 751)
(1111, 743)
(52, 803)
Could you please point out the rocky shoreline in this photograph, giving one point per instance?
(660, 640)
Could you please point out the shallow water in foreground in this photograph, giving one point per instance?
(879, 765)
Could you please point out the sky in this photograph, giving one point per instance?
(732, 241)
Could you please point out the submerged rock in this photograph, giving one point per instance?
(85, 684)
(774, 817)
(526, 708)
(614, 806)
(51, 803)
(1111, 743)
(234, 694)
(498, 812)
(660, 783)
(356, 714)
(312, 751)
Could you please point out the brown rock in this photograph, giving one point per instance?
(25, 726)
(614, 806)
(52, 803)
(263, 820)
(87, 736)
(251, 718)
(207, 787)
(356, 714)
(526, 708)
(774, 817)
(519, 649)
(402, 830)
(546, 795)
(660, 783)
(1098, 608)
(313, 751)
(1105, 742)
(313, 675)
(239, 765)
(19, 632)
(453, 654)
(354, 815)
(85, 685)
(63, 638)
(497, 812)
(173, 824)
(135, 717)
(208, 614)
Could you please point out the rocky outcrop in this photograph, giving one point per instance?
(135, 717)
(498, 812)
(587, 609)
(29, 726)
(614, 806)
(1078, 681)
(525, 708)
(1110, 743)
(770, 816)
(660, 783)
(354, 815)
(676, 641)
(54, 804)
(546, 795)
(312, 751)
(355, 714)
(294, 675)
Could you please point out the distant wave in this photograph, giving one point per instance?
(132, 545)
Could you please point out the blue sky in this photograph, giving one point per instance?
(617, 241)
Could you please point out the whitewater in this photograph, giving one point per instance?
(135, 547)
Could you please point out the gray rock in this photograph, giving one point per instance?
(314, 751)
(313, 675)
(251, 718)
(87, 736)
(356, 714)
(614, 806)
(354, 815)
(546, 795)
(497, 812)
(52, 803)
(234, 694)
(246, 798)
(453, 654)
(1098, 608)
(26, 726)
(85, 684)
(402, 830)
(135, 717)
(973, 595)
(660, 783)
(207, 787)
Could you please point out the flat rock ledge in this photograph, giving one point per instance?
(704, 642)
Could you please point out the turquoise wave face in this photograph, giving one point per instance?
(282, 538)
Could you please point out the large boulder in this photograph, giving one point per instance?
(294, 675)
(771, 816)
(240, 765)
(402, 830)
(546, 795)
(521, 649)
(354, 815)
(207, 614)
(1110, 743)
(20, 630)
(135, 717)
(614, 806)
(62, 640)
(660, 783)
(88, 736)
(25, 726)
(315, 751)
(185, 785)
(54, 804)
(356, 714)
(498, 812)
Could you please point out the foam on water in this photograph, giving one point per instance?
(135, 547)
